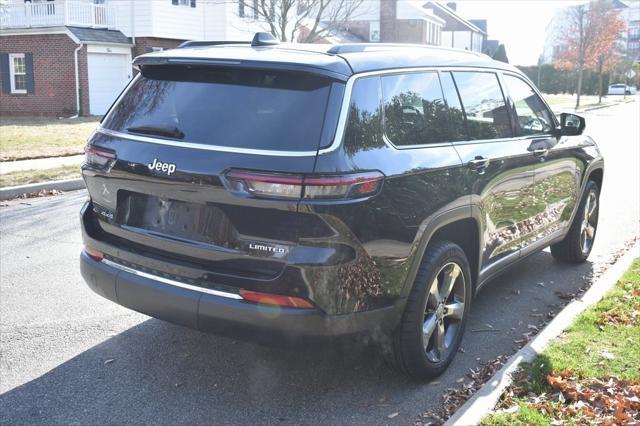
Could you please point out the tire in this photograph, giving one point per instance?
(427, 309)
(577, 245)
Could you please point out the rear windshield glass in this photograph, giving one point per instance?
(254, 109)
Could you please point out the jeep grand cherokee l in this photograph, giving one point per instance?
(287, 192)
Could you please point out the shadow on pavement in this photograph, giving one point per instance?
(161, 373)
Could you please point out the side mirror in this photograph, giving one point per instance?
(571, 124)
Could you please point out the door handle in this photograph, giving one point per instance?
(479, 164)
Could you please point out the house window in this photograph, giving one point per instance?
(18, 73)
(191, 3)
(249, 9)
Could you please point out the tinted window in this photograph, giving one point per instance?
(456, 115)
(229, 107)
(533, 115)
(415, 112)
(484, 105)
(364, 126)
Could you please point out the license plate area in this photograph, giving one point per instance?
(187, 221)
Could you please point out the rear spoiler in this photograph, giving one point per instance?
(144, 61)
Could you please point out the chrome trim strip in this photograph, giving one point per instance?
(171, 282)
(205, 147)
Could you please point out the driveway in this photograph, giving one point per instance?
(69, 356)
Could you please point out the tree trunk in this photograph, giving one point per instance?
(600, 65)
(539, 75)
(580, 69)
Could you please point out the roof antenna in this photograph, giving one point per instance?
(264, 39)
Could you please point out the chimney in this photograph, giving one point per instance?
(388, 14)
(452, 5)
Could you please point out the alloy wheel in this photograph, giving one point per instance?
(443, 312)
(589, 222)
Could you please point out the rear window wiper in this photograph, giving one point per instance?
(167, 132)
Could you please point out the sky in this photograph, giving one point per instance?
(519, 24)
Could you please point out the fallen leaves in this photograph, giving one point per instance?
(455, 397)
(574, 400)
(41, 193)
(618, 316)
(607, 355)
(565, 296)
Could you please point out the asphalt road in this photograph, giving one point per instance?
(69, 356)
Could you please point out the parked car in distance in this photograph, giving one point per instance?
(621, 89)
(289, 192)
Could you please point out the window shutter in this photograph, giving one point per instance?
(28, 62)
(4, 73)
(174, 2)
(193, 3)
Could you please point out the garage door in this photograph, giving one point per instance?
(108, 74)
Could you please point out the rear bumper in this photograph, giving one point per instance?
(225, 315)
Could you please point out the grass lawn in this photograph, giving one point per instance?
(591, 374)
(568, 102)
(23, 138)
(24, 177)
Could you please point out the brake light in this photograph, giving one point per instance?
(310, 187)
(94, 254)
(99, 157)
(276, 299)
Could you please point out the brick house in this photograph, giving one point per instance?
(66, 57)
(416, 21)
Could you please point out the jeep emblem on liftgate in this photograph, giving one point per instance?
(168, 168)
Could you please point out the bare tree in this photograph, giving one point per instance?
(305, 21)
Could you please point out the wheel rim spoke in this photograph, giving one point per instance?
(592, 206)
(433, 292)
(454, 310)
(428, 328)
(440, 332)
(449, 280)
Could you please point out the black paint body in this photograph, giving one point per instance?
(355, 260)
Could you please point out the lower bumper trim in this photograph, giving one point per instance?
(170, 281)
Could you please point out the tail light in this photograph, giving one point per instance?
(310, 187)
(276, 299)
(94, 254)
(99, 157)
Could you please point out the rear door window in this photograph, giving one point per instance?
(533, 116)
(484, 105)
(256, 109)
(457, 126)
(415, 112)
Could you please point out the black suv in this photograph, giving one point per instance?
(281, 192)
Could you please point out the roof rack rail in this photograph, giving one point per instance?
(361, 47)
(200, 43)
(259, 39)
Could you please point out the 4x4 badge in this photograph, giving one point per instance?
(168, 168)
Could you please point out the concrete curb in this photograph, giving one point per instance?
(607, 106)
(60, 185)
(485, 400)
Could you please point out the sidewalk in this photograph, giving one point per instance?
(40, 164)
(557, 105)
